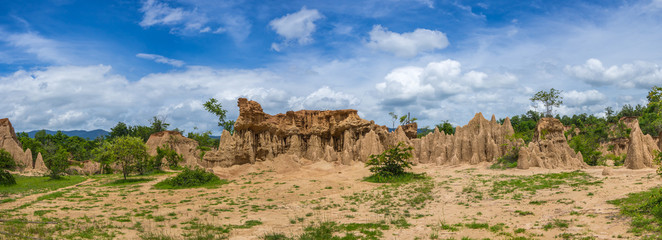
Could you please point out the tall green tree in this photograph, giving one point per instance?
(215, 107)
(57, 163)
(128, 151)
(550, 99)
(121, 129)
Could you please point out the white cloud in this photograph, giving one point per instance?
(582, 98)
(438, 80)
(324, 99)
(44, 49)
(90, 97)
(160, 13)
(406, 44)
(161, 59)
(297, 26)
(639, 74)
(195, 18)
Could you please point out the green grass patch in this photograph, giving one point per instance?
(401, 178)
(334, 231)
(537, 182)
(645, 209)
(31, 185)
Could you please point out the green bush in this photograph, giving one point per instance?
(190, 178)
(390, 165)
(391, 162)
(6, 160)
(6, 179)
(170, 155)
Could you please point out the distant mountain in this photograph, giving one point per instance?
(90, 135)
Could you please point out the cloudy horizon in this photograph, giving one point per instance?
(85, 65)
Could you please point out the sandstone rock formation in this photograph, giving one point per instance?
(187, 147)
(317, 135)
(641, 147)
(89, 168)
(549, 148)
(9, 142)
(342, 136)
(478, 141)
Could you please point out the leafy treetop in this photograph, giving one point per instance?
(550, 99)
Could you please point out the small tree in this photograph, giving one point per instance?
(215, 107)
(394, 118)
(159, 124)
(128, 151)
(446, 127)
(550, 99)
(57, 163)
(407, 119)
(392, 162)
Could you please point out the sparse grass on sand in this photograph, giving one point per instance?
(645, 209)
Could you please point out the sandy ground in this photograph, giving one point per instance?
(288, 195)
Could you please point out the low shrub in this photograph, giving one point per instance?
(6, 179)
(6, 160)
(190, 178)
(391, 163)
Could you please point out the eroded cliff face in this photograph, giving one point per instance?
(549, 148)
(641, 147)
(187, 147)
(9, 142)
(342, 136)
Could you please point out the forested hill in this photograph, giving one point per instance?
(90, 135)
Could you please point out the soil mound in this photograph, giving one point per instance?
(9, 142)
(187, 147)
(641, 147)
(549, 148)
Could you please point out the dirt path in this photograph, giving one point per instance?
(33, 197)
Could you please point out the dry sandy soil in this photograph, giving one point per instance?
(286, 196)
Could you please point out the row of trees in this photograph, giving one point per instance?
(124, 146)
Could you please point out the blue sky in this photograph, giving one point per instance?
(67, 64)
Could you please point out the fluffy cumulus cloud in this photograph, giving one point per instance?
(406, 44)
(324, 99)
(437, 80)
(582, 98)
(161, 59)
(639, 74)
(298, 26)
